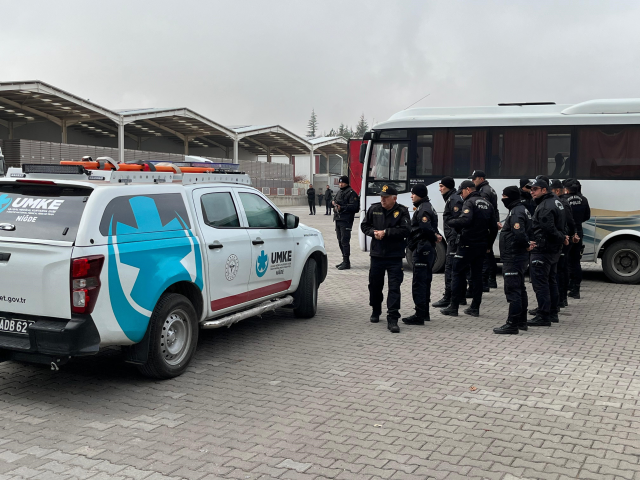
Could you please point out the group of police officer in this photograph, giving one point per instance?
(543, 230)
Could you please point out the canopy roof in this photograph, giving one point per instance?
(329, 145)
(259, 138)
(33, 100)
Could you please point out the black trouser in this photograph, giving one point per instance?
(543, 270)
(575, 257)
(448, 271)
(467, 257)
(393, 268)
(343, 232)
(489, 268)
(312, 207)
(563, 272)
(515, 289)
(424, 256)
(328, 212)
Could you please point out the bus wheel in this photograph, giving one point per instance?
(621, 262)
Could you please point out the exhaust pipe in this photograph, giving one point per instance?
(252, 312)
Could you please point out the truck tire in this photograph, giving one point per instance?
(173, 337)
(621, 262)
(438, 266)
(306, 297)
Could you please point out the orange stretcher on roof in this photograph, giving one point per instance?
(137, 167)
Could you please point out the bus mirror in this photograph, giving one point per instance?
(363, 152)
(367, 136)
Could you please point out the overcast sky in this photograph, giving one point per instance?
(271, 61)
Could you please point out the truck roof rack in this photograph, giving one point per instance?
(106, 170)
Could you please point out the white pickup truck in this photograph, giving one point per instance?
(142, 260)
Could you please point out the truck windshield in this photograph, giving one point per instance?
(41, 212)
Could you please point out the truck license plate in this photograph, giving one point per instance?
(9, 325)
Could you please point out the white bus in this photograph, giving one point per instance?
(597, 142)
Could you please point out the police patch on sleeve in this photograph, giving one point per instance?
(466, 210)
(455, 209)
(516, 226)
(395, 214)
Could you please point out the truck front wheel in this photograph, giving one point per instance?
(306, 297)
(172, 339)
(621, 262)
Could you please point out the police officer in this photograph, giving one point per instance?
(570, 231)
(452, 209)
(581, 213)
(485, 190)
(525, 195)
(422, 241)
(311, 198)
(328, 196)
(388, 223)
(514, 253)
(345, 206)
(477, 231)
(548, 238)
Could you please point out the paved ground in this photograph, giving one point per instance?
(338, 397)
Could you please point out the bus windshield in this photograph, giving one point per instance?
(388, 163)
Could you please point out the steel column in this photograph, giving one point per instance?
(121, 141)
(64, 131)
(235, 150)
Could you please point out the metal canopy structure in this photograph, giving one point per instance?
(270, 139)
(31, 101)
(181, 125)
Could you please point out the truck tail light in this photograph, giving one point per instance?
(85, 283)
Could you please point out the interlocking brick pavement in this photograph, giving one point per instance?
(338, 397)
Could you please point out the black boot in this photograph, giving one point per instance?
(340, 264)
(539, 321)
(508, 328)
(463, 301)
(451, 310)
(553, 318)
(392, 325)
(375, 317)
(575, 293)
(416, 319)
(522, 322)
(443, 302)
(345, 265)
(533, 311)
(493, 283)
(474, 312)
(486, 288)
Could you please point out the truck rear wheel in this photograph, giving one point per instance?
(621, 262)
(306, 297)
(173, 337)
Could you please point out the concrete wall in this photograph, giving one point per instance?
(282, 201)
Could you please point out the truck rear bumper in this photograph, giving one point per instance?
(50, 337)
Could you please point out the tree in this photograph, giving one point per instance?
(362, 127)
(312, 125)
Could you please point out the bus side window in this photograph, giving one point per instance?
(608, 152)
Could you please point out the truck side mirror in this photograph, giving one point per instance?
(363, 152)
(291, 221)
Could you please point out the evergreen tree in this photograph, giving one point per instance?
(312, 125)
(362, 127)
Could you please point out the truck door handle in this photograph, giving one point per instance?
(214, 245)
(257, 241)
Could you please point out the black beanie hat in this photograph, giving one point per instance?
(512, 193)
(448, 182)
(420, 190)
(524, 182)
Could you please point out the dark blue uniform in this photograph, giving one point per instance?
(347, 200)
(452, 209)
(514, 242)
(386, 255)
(477, 231)
(422, 241)
(548, 233)
(581, 213)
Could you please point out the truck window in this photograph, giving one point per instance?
(42, 212)
(219, 211)
(259, 213)
(135, 214)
